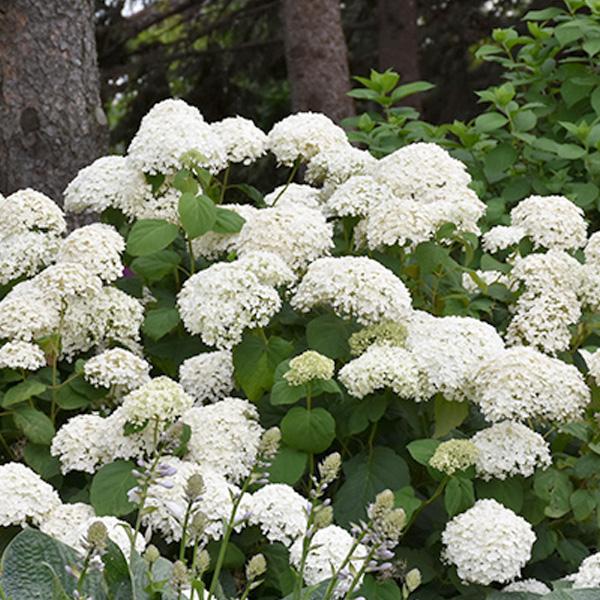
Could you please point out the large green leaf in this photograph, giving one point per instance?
(197, 214)
(448, 415)
(108, 492)
(367, 474)
(23, 391)
(227, 221)
(328, 334)
(458, 495)
(308, 430)
(148, 236)
(154, 267)
(35, 424)
(288, 466)
(160, 321)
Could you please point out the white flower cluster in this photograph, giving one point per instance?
(308, 366)
(294, 194)
(509, 448)
(21, 355)
(225, 437)
(488, 543)
(502, 237)
(354, 287)
(357, 196)
(208, 377)
(243, 141)
(533, 586)
(454, 455)
(117, 367)
(588, 574)
(521, 383)
(222, 301)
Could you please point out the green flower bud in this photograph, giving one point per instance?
(454, 455)
(388, 332)
(308, 366)
(256, 567)
(97, 536)
(269, 443)
(198, 524)
(412, 580)
(323, 517)
(180, 575)
(194, 487)
(203, 562)
(151, 554)
(329, 468)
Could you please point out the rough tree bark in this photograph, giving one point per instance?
(399, 40)
(317, 57)
(51, 118)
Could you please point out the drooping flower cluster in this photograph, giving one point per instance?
(488, 543)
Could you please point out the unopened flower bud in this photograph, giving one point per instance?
(203, 562)
(97, 536)
(269, 443)
(323, 517)
(329, 469)
(412, 580)
(198, 525)
(179, 575)
(194, 487)
(151, 554)
(256, 567)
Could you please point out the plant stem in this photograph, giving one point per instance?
(433, 498)
(360, 573)
(184, 531)
(289, 181)
(192, 257)
(86, 564)
(224, 184)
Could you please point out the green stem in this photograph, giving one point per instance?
(433, 498)
(359, 574)
(289, 181)
(192, 257)
(224, 185)
(6, 447)
(186, 519)
(86, 564)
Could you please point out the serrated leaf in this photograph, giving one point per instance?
(197, 214)
(148, 236)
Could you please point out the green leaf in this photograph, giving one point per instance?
(288, 466)
(380, 590)
(422, 450)
(524, 120)
(116, 573)
(367, 474)
(279, 575)
(554, 487)
(448, 415)
(185, 183)
(570, 151)
(406, 499)
(22, 391)
(583, 503)
(308, 430)
(508, 492)
(595, 100)
(227, 221)
(68, 398)
(408, 89)
(36, 426)
(108, 492)
(148, 236)
(156, 266)
(41, 461)
(328, 334)
(490, 122)
(197, 214)
(255, 360)
(545, 14)
(160, 321)
(458, 495)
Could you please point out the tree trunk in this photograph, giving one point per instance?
(51, 118)
(399, 40)
(317, 57)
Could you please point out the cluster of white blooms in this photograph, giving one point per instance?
(552, 222)
(208, 377)
(329, 548)
(212, 245)
(383, 365)
(225, 437)
(269, 268)
(521, 383)
(590, 285)
(588, 574)
(161, 400)
(110, 181)
(308, 366)
(509, 448)
(533, 586)
(279, 511)
(25, 496)
(66, 281)
(220, 302)
(97, 247)
(168, 502)
(117, 367)
(277, 230)
(357, 196)
(385, 332)
(488, 543)
(354, 287)
(30, 226)
(243, 141)
(302, 136)
(171, 130)
(502, 237)
(21, 355)
(454, 455)
(592, 249)
(294, 194)
(449, 350)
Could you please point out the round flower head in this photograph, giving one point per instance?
(294, 194)
(25, 496)
(212, 245)
(303, 135)
(522, 383)
(357, 196)
(592, 250)
(28, 210)
(208, 377)
(169, 503)
(279, 511)
(308, 366)
(26, 253)
(328, 549)
(487, 543)
(268, 267)
(449, 350)
(22, 355)
(354, 287)
(386, 332)
(502, 237)
(220, 302)
(383, 366)
(65, 281)
(108, 181)
(225, 437)
(422, 171)
(64, 522)
(243, 141)
(454, 455)
(551, 222)
(117, 367)
(532, 586)
(97, 247)
(161, 400)
(588, 574)
(171, 130)
(296, 233)
(333, 166)
(509, 448)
